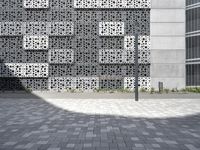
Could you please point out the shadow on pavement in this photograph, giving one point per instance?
(35, 124)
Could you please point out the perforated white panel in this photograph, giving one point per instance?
(24, 70)
(36, 3)
(143, 47)
(11, 28)
(116, 56)
(144, 82)
(112, 3)
(36, 42)
(111, 28)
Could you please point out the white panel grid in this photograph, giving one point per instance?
(112, 4)
(36, 42)
(61, 56)
(36, 3)
(143, 82)
(24, 70)
(111, 28)
(86, 3)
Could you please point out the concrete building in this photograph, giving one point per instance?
(89, 44)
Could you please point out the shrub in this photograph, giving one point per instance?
(193, 89)
(143, 90)
(152, 91)
(166, 91)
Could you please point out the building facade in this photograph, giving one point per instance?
(193, 43)
(89, 44)
(168, 43)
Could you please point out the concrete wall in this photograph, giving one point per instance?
(168, 43)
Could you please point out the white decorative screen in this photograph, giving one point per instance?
(36, 3)
(24, 70)
(111, 28)
(36, 42)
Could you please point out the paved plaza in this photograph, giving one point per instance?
(99, 124)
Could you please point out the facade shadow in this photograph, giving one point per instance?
(36, 124)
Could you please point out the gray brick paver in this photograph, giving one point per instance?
(99, 124)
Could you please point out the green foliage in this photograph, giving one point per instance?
(175, 90)
(193, 89)
(143, 90)
(119, 90)
(28, 90)
(166, 90)
(152, 91)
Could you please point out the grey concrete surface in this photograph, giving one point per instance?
(168, 43)
(103, 124)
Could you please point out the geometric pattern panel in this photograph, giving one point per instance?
(144, 56)
(129, 42)
(11, 28)
(61, 29)
(36, 42)
(61, 70)
(143, 42)
(21, 70)
(127, 56)
(111, 28)
(119, 70)
(143, 82)
(60, 83)
(111, 83)
(85, 70)
(16, 84)
(112, 4)
(143, 47)
(35, 84)
(116, 56)
(87, 83)
(36, 3)
(80, 83)
(36, 28)
(16, 56)
(61, 56)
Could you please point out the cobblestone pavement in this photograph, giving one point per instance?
(77, 124)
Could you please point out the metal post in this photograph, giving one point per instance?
(136, 68)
